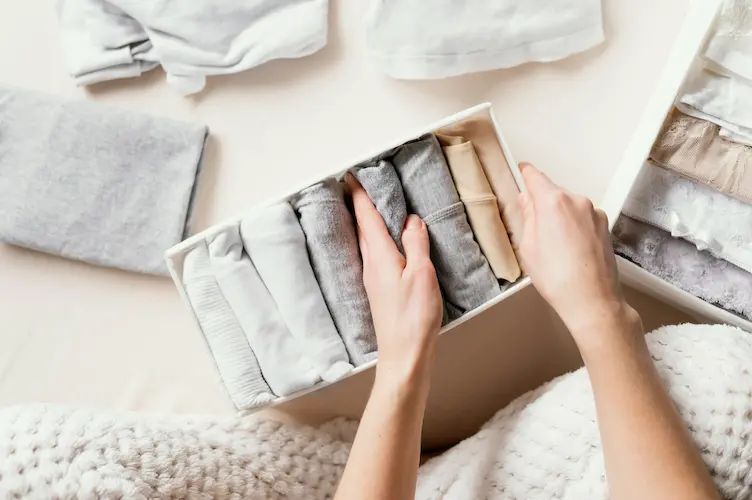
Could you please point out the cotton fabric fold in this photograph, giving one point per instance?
(480, 131)
(235, 360)
(710, 220)
(730, 45)
(481, 206)
(280, 357)
(335, 258)
(679, 263)
(95, 183)
(275, 242)
(694, 149)
(381, 182)
(108, 39)
(415, 39)
(463, 272)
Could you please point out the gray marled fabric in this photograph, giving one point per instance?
(680, 263)
(335, 258)
(382, 184)
(464, 274)
(95, 183)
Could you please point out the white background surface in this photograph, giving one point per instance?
(77, 334)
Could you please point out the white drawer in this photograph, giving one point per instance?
(690, 41)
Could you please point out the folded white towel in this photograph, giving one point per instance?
(416, 39)
(109, 39)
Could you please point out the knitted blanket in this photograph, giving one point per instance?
(544, 445)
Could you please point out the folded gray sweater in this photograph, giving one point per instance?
(94, 183)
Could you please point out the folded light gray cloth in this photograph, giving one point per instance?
(108, 39)
(680, 263)
(95, 183)
(280, 356)
(464, 274)
(274, 240)
(235, 360)
(382, 184)
(335, 258)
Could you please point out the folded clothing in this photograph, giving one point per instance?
(280, 356)
(415, 39)
(480, 205)
(382, 184)
(679, 263)
(481, 132)
(711, 220)
(694, 148)
(722, 99)
(109, 39)
(235, 360)
(94, 183)
(335, 257)
(463, 272)
(275, 242)
(730, 45)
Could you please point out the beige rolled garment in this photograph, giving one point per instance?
(481, 206)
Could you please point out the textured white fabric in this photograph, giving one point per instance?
(279, 354)
(731, 43)
(543, 446)
(711, 220)
(416, 39)
(109, 39)
(725, 100)
(276, 244)
(235, 360)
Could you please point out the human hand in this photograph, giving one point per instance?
(566, 249)
(402, 290)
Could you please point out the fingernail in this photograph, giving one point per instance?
(413, 222)
(522, 166)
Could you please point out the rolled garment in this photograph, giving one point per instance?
(415, 39)
(335, 258)
(681, 264)
(280, 357)
(109, 39)
(694, 149)
(94, 183)
(710, 220)
(481, 207)
(382, 184)
(721, 99)
(462, 270)
(481, 133)
(235, 360)
(730, 45)
(275, 242)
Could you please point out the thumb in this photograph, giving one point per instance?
(415, 241)
(528, 209)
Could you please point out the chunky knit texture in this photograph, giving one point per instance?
(544, 445)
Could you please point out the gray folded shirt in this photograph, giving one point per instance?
(94, 183)
(464, 274)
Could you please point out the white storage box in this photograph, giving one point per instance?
(175, 255)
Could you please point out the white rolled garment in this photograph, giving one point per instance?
(273, 238)
(418, 39)
(109, 39)
(282, 363)
(235, 360)
(730, 45)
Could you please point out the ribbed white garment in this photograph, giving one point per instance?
(282, 363)
(235, 360)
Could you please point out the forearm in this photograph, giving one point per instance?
(384, 459)
(648, 451)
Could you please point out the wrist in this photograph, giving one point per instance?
(615, 327)
(406, 377)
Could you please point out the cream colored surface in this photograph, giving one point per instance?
(72, 333)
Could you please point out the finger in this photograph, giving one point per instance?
(539, 186)
(415, 242)
(371, 225)
(528, 210)
(601, 220)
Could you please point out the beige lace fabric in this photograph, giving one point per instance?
(480, 205)
(695, 149)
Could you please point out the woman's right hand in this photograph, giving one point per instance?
(566, 249)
